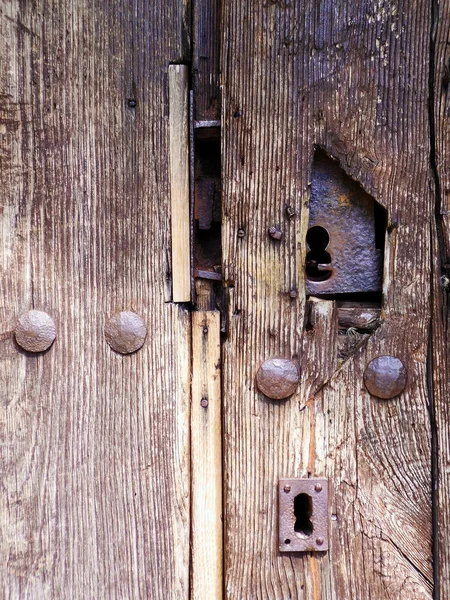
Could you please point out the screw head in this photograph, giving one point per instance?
(204, 402)
(287, 488)
(125, 332)
(277, 378)
(275, 233)
(132, 103)
(319, 541)
(35, 331)
(318, 487)
(385, 377)
(241, 232)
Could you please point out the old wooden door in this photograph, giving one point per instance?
(161, 165)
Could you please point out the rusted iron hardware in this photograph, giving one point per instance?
(385, 377)
(277, 378)
(342, 253)
(35, 331)
(303, 515)
(125, 332)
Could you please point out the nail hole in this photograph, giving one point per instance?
(303, 513)
(287, 541)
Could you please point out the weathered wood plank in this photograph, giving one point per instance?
(179, 182)
(206, 458)
(206, 37)
(440, 353)
(94, 446)
(337, 75)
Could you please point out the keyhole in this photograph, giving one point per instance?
(303, 513)
(318, 261)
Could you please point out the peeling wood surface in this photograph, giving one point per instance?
(206, 458)
(352, 78)
(94, 446)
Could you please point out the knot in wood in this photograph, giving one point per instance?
(277, 378)
(35, 331)
(385, 377)
(125, 332)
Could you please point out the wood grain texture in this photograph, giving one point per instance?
(349, 77)
(206, 37)
(440, 354)
(179, 182)
(206, 458)
(94, 446)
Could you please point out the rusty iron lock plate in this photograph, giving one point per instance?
(342, 223)
(303, 515)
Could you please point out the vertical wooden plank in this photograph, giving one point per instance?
(94, 446)
(336, 75)
(206, 37)
(179, 182)
(206, 458)
(440, 351)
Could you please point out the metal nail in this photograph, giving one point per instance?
(275, 233)
(125, 332)
(385, 377)
(277, 378)
(35, 331)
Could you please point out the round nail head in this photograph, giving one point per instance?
(320, 541)
(318, 487)
(287, 489)
(277, 378)
(35, 331)
(125, 332)
(385, 377)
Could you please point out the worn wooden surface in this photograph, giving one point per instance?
(94, 446)
(179, 181)
(206, 458)
(440, 354)
(352, 78)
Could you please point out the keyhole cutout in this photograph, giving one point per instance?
(318, 261)
(303, 512)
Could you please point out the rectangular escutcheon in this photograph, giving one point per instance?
(303, 515)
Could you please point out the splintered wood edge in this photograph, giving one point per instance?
(179, 182)
(206, 458)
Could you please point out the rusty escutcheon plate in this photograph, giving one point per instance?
(303, 515)
(347, 212)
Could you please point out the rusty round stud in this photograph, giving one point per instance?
(275, 233)
(318, 487)
(35, 331)
(287, 488)
(385, 377)
(277, 378)
(125, 332)
(319, 541)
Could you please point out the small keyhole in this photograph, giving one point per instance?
(318, 261)
(303, 513)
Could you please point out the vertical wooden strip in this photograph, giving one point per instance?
(440, 363)
(206, 453)
(179, 182)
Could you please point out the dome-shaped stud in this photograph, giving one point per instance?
(385, 377)
(125, 332)
(35, 331)
(277, 378)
